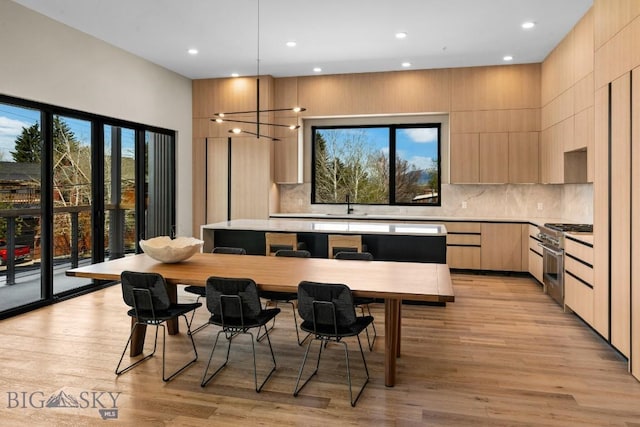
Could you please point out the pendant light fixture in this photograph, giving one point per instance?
(224, 116)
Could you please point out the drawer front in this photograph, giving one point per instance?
(578, 269)
(535, 265)
(463, 239)
(533, 245)
(533, 231)
(533, 239)
(579, 250)
(463, 257)
(579, 298)
(463, 227)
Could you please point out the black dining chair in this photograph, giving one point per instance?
(328, 313)
(200, 290)
(235, 307)
(147, 294)
(362, 302)
(284, 297)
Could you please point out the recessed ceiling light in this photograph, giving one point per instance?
(291, 43)
(401, 35)
(317, 70)
(528, 25)
(235, 75)
(507, 58)
(192, 51)
(406, 64)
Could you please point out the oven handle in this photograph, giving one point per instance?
(546, 248)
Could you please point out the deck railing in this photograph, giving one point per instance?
(13, 215)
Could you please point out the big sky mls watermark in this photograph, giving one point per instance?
(105, 402)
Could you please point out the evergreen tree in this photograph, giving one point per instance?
(28, 145)
(64, 141)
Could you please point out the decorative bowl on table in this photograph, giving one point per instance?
(168, 250)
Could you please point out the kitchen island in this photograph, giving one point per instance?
(386, 241)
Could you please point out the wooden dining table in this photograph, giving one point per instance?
(388, 280)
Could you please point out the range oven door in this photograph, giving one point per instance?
(553, 272)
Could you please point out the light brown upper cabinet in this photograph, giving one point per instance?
(524, 157)
(465, 160)
(494, 157)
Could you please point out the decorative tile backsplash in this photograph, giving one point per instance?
(569, 202)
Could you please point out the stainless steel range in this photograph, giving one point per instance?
(552, 242)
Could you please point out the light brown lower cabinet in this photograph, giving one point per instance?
(578, 278)
(534, 253)
(463, 245)
(501, 247)
(487, 246)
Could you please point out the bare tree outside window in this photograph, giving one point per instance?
(354, 162)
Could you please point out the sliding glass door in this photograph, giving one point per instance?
(20, 180)
(72, 199)
(120, 234)
(75, 188)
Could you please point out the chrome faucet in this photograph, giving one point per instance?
(349, 208)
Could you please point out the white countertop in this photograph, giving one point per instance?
(318, 225)
(411, 218)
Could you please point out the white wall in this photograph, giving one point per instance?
(45, 61)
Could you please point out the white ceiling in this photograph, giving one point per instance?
(340, 36)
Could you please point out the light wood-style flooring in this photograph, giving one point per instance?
(502, 355)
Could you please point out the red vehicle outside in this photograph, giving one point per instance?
(20, 253)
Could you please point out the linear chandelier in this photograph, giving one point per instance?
(224, 116)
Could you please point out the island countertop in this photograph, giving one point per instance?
(330, 226)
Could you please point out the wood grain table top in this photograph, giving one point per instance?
(380, 279)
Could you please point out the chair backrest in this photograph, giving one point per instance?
(278, 241)
(359, 256)
(144, 291)
(228, 250)
(235, 298)
(320, 302)
(343, 243)
(300, 253)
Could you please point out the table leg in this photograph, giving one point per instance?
(399, 336)
(392, 327)
(137, 340)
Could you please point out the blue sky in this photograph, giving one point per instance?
(417, 145)
(13, 119)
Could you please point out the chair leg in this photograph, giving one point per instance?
(260, 337)
(193, 314)
(206, 380)
(353, 401)
(147, 357)
(373, 326)
(191, 362)
(346, 352)
(297, 389)
(255, 368)
(295, 322)
(267, 329)
(258, 388)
